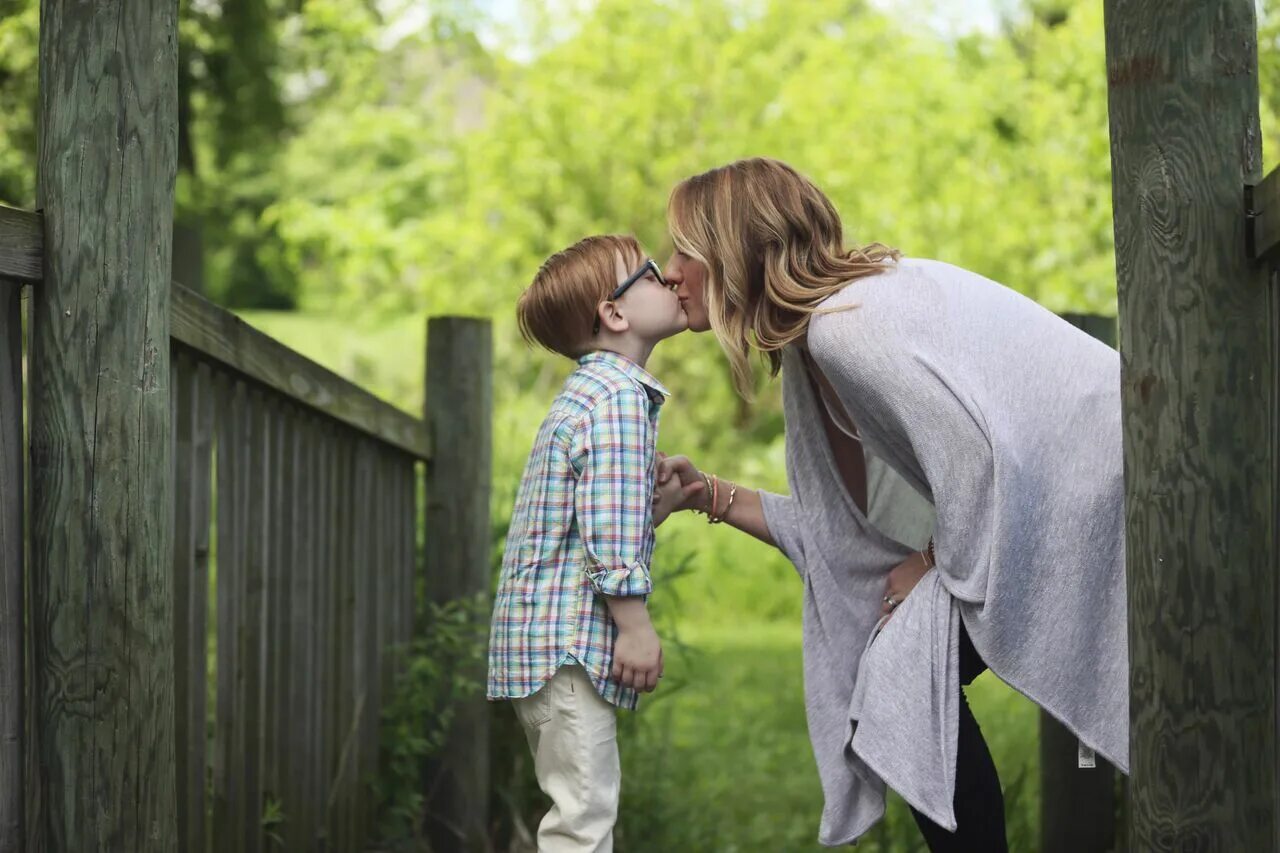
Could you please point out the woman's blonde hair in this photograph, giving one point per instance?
(773, 246)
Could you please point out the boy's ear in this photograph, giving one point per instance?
(611, 317)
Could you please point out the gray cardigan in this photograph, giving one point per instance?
(975, 404)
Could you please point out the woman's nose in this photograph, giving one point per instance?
(671, 272)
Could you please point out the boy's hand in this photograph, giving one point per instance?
(678, 470)
(637, 657)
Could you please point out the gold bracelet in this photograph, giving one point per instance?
(733, 490)
(706, 478)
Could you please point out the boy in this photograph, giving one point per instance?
(571, 638)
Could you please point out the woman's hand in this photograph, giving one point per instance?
(901, 580)
(670, 496)
(693, 487)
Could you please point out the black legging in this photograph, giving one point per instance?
(979, 802)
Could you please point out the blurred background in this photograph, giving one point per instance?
(348, 167)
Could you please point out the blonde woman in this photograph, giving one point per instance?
(956, 495)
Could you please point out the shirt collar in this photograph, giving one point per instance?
(657, 391)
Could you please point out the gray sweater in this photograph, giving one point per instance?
(997, 425)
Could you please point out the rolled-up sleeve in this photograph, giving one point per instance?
(782, 517)
(613, 493)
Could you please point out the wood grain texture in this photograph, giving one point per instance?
(223, 336)
(1197, 386)
(459, 401)
(102, 606)
(12, 636)
(21, 245)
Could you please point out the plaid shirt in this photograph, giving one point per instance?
(582, 528)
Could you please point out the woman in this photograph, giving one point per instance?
(916, 395)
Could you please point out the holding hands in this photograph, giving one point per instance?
(682, 486)
(679, 486)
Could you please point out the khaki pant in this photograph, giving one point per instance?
(573, 735)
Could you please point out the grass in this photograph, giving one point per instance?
(719, 758)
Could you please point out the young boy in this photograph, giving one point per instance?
(571, 638)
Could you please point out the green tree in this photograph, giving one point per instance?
(19, 43)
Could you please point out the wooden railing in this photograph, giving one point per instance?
(295, 518)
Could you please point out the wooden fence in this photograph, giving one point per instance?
(295, 516)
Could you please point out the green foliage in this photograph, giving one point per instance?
(19, 46)
(438, 668)
(273, 818)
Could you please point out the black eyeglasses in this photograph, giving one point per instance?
(649, 266)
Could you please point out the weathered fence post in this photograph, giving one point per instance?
(1199, 471)
(12, 649)
(1077, 806)
(101, 574)
(459, 403)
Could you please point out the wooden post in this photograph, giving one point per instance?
(1077, 806)
(459, 402)
(1197, 382)
(12, 649)
(101, 592)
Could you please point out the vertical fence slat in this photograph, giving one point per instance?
(323, 641)
(335, 724)
(254, 612)
(191, 585)
(367, 572)
(275, 636)
(1273, 311)
(296, 673)
(202, 483)
(12, 648)
(228, 806)
(357, 569)
(406, 522)
(322, 465)
(180, 395)
(345, 699)
(413, 557)
(387, 518)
